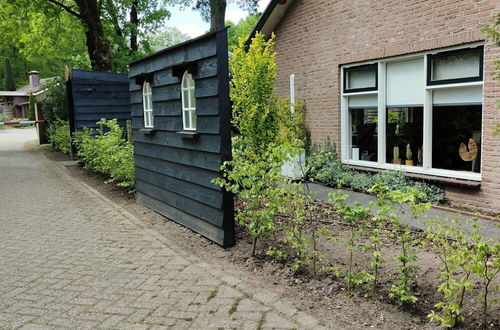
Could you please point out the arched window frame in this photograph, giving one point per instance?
(188, 102)
(147, 101)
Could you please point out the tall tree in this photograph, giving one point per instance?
(9, 84)
(214, 11)
(89, 13)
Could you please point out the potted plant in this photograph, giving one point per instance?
(409, 161)
(396, 159)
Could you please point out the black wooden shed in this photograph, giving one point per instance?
(95, 95)
(181, 132)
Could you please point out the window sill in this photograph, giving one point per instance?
(147, 131)
(188, 134)
(425, 177)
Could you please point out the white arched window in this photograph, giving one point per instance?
(188, 102)
(147, 101)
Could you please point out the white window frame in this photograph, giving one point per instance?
(426, 169)
(147, 102)
(190, 109)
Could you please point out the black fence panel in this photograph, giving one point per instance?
(95, 95)
(174, 168)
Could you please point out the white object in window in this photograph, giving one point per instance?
(454, 96)
(405, 83)
(188, 102)
(147, 101)
(363, 101)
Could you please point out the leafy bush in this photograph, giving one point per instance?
(55, 104)
(324, 166)
(107, 152)
(59, 135)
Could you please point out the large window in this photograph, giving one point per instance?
(421, 113)
(147, 101)
(188, 102)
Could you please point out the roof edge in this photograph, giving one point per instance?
(271, 9)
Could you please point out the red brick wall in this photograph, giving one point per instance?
(317, 36)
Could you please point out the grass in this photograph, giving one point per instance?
(212, 294)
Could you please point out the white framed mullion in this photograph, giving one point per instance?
(427, 125)
(381, 122)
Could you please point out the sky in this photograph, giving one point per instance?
(190, 22)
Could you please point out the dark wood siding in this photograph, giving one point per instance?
(96, 95)
(174, 171)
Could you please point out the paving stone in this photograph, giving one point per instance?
(71, 258)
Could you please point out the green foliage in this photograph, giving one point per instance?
(32, 103)
(107, 152)
(55, 104)
(255, 107)
(269, 134)
(324, 166)
(355, 216)
(9, 84)
(165, 37)
(402, 289)
(240, 30)
(452, 248)
(59, 135)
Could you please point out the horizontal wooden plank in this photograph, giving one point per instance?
(189, 157)
(204, 106)
(169, 58)
(193, 175)
(166, 93)
(100, 109)
(204, 125)
(164, 77)
(90, 88)
(94, 75)
(201, 194)
(108, 95)
(206, 68)
(92, 101)
(206, 87)
(204, 228)
(197, 209)
(96, 116)
(203, 142)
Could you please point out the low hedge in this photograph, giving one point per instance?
(325, 167)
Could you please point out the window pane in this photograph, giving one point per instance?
(453, 128)
(151, 119)
(185, 117)
(361, 78)
(404, 127)
(150, 102)
(364, 134)
(185, 99)
(456, 66)
(406, 83)
(192, 99)
(193, 119)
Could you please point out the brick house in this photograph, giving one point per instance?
(15, 104)
(416, 74)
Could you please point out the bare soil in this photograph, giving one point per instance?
(325, 295)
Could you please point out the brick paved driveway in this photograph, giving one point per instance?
(70, 258)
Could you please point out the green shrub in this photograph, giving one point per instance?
(324, 166)
(59, 135)
(55, 104)
(107, 153)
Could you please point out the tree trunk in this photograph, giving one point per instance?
(97, 44)
(217, 14)
(134, 20)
